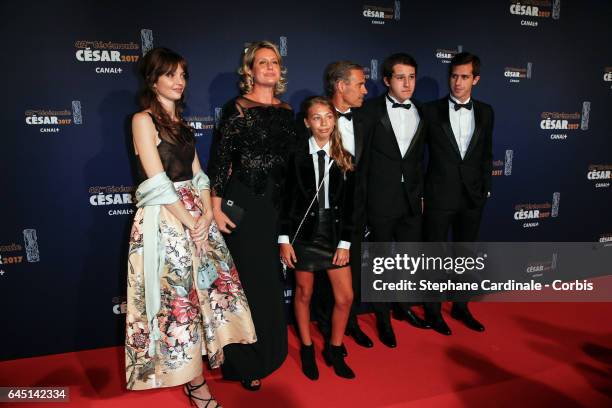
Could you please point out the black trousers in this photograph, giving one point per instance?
(463, 223)
(400, 228)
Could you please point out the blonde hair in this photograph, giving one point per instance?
(337, 152)
(246, 78)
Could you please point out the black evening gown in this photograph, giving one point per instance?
(247, 163)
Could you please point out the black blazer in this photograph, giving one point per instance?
(360, 132)
(385, 165)
(449, 178)
(299, 189)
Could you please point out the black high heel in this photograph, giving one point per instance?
(248, 384)
(333, 357)
(309, 364)
(189, 389)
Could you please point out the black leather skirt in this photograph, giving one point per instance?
(318, 253)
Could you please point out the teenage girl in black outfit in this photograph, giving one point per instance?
(323, 239)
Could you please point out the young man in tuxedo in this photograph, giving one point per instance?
(345, 86)
(458, 179)
(396, 136)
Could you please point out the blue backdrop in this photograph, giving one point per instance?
(69, 72)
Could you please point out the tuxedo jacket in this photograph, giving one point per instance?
(298, 190)
(450, 179)
(359, 130)
(385, 165)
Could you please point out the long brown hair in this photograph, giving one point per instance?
(343, 158)
(161, 61)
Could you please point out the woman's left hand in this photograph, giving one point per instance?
(341, 257)
(200, 232)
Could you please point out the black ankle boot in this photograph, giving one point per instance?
(333, 357)
(309, 365)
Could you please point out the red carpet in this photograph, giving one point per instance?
(532, 355)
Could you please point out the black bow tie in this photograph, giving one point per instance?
(347, 115)
(458, 105)
(398, 105)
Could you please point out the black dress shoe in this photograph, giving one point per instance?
(440, 326)
(386, 336)
(248, 385)
(333, 357)
(410, 317)
(360, 337)
(467, 319)
(309, 364)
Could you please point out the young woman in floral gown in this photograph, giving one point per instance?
(174, 316)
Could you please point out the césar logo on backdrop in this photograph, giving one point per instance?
(371, 71)
(10, 254)
(49, 120)
(115, 198)
(515, 75)
(200, 123)
(379, 14)
(14, 253)
(503, 167)
(445, 55)
(540, 268)
(109, 56)
(531, 214)
(531, 11)
(566, 121)
(601, 174)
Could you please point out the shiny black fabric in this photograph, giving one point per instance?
(317, 254)
(251, 144)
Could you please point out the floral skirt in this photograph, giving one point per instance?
(192, 322)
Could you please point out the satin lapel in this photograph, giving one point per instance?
(446, 126)
(478, 122)
(358, 133)
(386, 122)
(334, 183)
(417, 134)
(307, 174)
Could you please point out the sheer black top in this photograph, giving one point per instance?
(252, 143)
(176, 158)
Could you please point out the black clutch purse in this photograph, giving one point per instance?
(233, 211)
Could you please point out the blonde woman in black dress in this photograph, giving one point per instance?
(246, 168)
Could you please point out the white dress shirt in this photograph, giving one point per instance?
(313, 150)
(347, 132)
(462, 123)
(404, 123)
